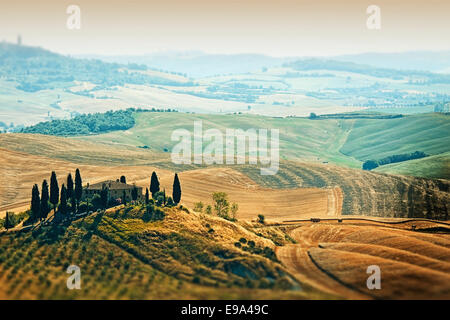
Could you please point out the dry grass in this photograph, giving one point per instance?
(335, 257)
(21, 170)
(399, 280)
(123, 257)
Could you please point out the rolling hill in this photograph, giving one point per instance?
(38, 85)
(371, 139)
(345, 142)
(122, 255)
(335, 257)
(31, 158)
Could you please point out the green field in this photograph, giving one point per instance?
(343, 142)
(437, 166)
(375, 139)
(300, 138)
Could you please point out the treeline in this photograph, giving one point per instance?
(86, 124)
(322, 64)
(90, 123)
(37, 69)
(354, 115)
(372, 164)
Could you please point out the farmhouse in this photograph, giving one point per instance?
(116, 190)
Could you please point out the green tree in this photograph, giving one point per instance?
(134, 193)
(54, 191)
(124, 197)
(73, 204)
(35, 203)
(221, 204)
(104, 197)
(154, 184)
(170, 202)
(6, 223)
(78, 187)
(261, 218)
(312, 115)
(176, 190)
(147, 196)
(44, 200)
(123, 179)
(370, 164)
(159, 197)
(234, 210)
(69, 186)
(208, 209)
(62, 209)
(198, 206)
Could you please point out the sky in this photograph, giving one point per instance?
(276, 27)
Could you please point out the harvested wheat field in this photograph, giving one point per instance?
(21, 170)
(335, 257)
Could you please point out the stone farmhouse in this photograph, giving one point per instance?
(116, 190)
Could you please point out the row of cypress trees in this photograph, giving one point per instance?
(155, 187)
(40, 203)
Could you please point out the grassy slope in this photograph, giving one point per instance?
(437, 166)
(375, 139)
(299, 138)
(121, 256)
(343, 142)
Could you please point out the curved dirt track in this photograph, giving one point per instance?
(333, 257)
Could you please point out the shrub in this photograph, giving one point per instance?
(170, 202)
(221, 204)
(198, 206)
(261, 218)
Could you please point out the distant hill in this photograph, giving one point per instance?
(414, 60)
(346, 142)
(198, 64)
(379, 72)
(37, 69)
(37, 85)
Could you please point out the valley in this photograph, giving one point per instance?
(218, 231)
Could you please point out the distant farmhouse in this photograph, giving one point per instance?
(116, 190)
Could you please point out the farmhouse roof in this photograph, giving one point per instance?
(111, 185)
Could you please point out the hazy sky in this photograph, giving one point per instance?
(279, 28)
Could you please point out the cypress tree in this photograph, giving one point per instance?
(54, 191)
(123, 179)
(124, 198)
(104, 197)
(154, 184)
(73, 204)
(134, 193)
(176, 190)
(44, 200)
(6, 224)
(62, 209)
(146, 196)
(35, 203)
(69, 186)
(78, 187)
